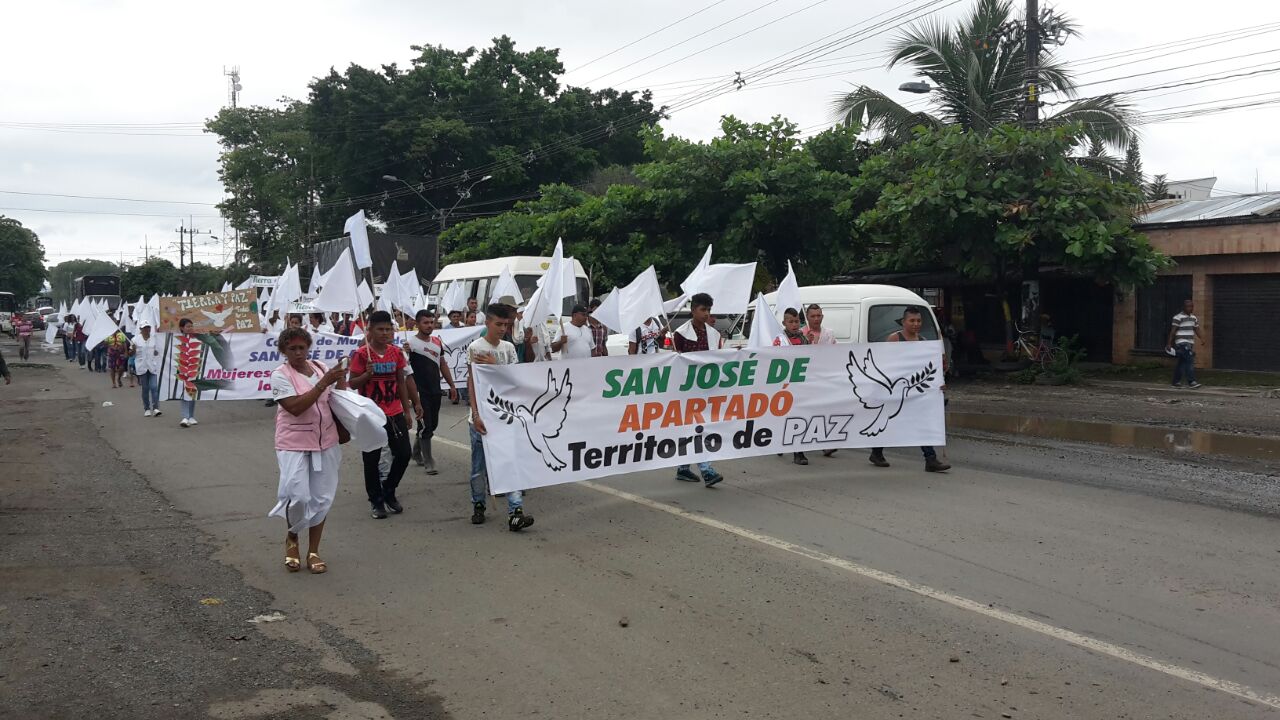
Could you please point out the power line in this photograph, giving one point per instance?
(99, 212)
(646, 37)
(682, 42)
(100, 197)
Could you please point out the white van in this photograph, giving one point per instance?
(864, 313)
(479, 277)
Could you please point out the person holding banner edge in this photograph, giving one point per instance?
(698, 335)
(912, 322)
(491, 349)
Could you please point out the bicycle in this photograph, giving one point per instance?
(1034, 348)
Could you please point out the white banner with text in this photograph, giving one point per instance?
(551, 423)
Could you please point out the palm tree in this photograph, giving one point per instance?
(978, 70)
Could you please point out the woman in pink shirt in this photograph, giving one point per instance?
(307, 446)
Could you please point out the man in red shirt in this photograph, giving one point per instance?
(380, 372)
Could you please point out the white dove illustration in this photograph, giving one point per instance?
(219, 319)
(546, 418)
(887, 403)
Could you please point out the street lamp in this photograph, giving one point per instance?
(917, 87)
(463, 194)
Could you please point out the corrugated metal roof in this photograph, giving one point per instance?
(1219, 208)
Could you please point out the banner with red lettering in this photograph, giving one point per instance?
(551, 423)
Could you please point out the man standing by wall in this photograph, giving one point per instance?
(1182, 343)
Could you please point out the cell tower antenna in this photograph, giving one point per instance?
(233, 84)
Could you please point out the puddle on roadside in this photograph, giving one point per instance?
(1119, 435)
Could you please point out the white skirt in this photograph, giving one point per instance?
(308, 484)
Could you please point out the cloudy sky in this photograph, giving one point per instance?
(105, 99)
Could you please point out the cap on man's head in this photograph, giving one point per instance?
(579, 308)
(505, 300)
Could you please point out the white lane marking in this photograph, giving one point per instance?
(1057, 633)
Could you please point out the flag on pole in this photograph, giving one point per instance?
(788, 293)
(454, 298)
(506, 285)
(339, 293)
(359, 232)
(764, 326)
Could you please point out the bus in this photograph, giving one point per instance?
(8, 306)
(99, 287)
(479, 276)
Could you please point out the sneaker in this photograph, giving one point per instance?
(933, 464)
(878, 460)
(828, 453)
(799, 458)
(156, 413)
(192, 422)
(1175, 385)
(519, 521)
(393, 505)
(146, 413)
(378, 511)
(711, 478)
(686, 475)
(1194, 385)
(477, 514)
(184, 422)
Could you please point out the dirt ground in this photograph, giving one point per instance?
(1236, 410)
(116, 599)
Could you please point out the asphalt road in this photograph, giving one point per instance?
(1029, 582)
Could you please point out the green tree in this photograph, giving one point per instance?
(1133, 166)
(290, 171)
(1158, 188)
(978, 68)
(22, 269)
(999, 206)
(757, 192)
(157, 276)
(62, 276)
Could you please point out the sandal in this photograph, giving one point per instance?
(315, 564)
(292, 563)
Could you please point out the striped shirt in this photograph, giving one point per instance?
(1186, 332)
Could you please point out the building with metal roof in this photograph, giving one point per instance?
(1233, 209)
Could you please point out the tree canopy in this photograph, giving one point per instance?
(62, 275)
(978, 68)
(999, 206)
(295, 172)
(22, 269)
(757, 192)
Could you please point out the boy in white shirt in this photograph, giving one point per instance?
(488, 349)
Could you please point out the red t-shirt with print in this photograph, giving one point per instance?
(384, 387)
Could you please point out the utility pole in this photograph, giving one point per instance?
(1031, 113)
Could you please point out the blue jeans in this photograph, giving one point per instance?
(188, 407)
(150, 384)
(78, 349)
(480, 476)
(703, 467)
(1186, 365)
(67, 348)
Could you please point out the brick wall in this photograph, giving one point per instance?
(1202, 253)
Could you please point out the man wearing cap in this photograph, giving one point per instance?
(145, 351)
(599, 332)
(577, 340)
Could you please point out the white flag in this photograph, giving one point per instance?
(728, 285)
(552, 287)
(788, 294)
(688, 286)
(610, 311)
(638, 301)
(506, 285)
(764, 326)
(455, 297)
(355, 225)
(365, 295)
(339, 294)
